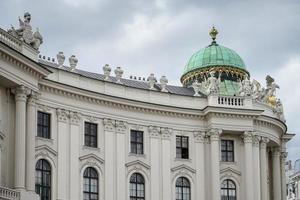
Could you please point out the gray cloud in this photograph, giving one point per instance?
(159, 36)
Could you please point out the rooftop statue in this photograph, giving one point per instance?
(270, 91)
(245, 87)
(213, 83)
(24, 32)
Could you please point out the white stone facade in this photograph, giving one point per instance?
(71, 99)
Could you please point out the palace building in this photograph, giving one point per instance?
(69, 134)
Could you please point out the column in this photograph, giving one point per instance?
(154, 160)
(63, 154)
(248, 165)
(20, 137)
(121, 128)
(276, 173)
(263, 168)
(256, 168)
(283, 175)
(166, 163)
(30, 142)
(109, 178)
(215, 164)
(200, 173)
(75, 119)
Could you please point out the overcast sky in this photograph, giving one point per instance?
(159, 36)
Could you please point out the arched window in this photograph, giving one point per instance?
(183, 189)
(90, 184)
(137, 187)
(43, 179)
(228, 190)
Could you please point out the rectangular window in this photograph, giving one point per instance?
(182, 147)
(137, 142)
(227, 150)
(43, 125)
(90, 134)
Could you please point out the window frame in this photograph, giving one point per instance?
(136, 183)
(43, 126)
(226, 151)
(182, 188)
(181, 148)
(40, 188)
(135, 143)
(93, 137)
(90, 178)
(227, 189)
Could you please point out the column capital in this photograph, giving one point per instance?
(275, 151)
(199, 136)
(121, 126)
(214, 134)
(166, 133)
(62, 115)
(256, 139)
(109, 124)
(32, 98)
(247, 137)
(20, 93)
(283, 155)
(263, 142)
(75, 117)
(154, 131)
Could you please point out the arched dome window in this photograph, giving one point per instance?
(137, 187)
(90, 184)
(228, 190)
(43, 179)
(183, 189)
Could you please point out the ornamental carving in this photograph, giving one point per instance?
(121, 126)
(248, 137)
(92, 119)
(32, 98)
(75, 118)
(264, 141)
(21, 93)
(199, 136)
(256, 139)
(109, 124)
(165, 133)
(283, 156)
(62, 115)
(153, 131)
(275, 151)
(214, 134)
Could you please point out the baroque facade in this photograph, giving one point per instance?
(72, 134)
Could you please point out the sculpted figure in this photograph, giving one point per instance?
(245, 87)
(279, 110)
(213, 83)
(197, 87)
(270, 91)
(24, 32)
(257, 90)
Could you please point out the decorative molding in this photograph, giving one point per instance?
(137, 163)
(214, 134)
(92, 119)
(91, 158)
(183, 167)
(166, 133)
(47, 149)
(75, 118)
(154, 131)
(275, 151)
(138, 166)
(44, 108)
(62, 115)
(247, 137)
(263, 142)
(109, 124)
(256, 140)
(121, 126)
(228, 172)
(20, 93)
(199, 136)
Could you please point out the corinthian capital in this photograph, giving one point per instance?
(33, 97)
(75, 118)
(214, 134)
(153, 131)
(263, 142)
(121, 126)
(166, 133)
(199, 136)
(256, 139)
(20, 92)
(62, 115)
(109, 124)
(248, 137)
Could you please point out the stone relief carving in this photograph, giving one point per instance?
(121, 126)
(214, 134)
(154, 131)
(75, 117)
(197, 87)
(106, 71)
(119, 73)
(109, 124)
(213, 83)
(24, 32)
(151, 80)
(247, 137)
(199, 136)
(60, 58)
(245, 87)
(279, 110)
(166, 133)
(62, 115)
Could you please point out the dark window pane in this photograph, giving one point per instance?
(43, 179)
(43, 125)
(90, 134)
(182, 147)
(227, 150)
(136, 142)
(137, 187)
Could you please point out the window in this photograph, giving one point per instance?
(90, 184)
(183, 189)
(90, 134)
(136, 142)
(228, 190)
(43, 179)
(182, 147)
(227, 150)
(43, 125)
(137, 187)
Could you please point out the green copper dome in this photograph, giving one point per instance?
(214, 55)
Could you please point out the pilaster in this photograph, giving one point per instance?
(276, 173)
(263, 168)
(166, 162)
(248, 140)
(109, 154)
(283, 157)
(256, 167)
(214, 135)
(75, 119)
(199, 137)
(154, 133)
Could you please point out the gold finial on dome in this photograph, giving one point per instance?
(213, 33)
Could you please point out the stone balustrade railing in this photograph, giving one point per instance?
(10, 40)
(9, 194)
(230, 101)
